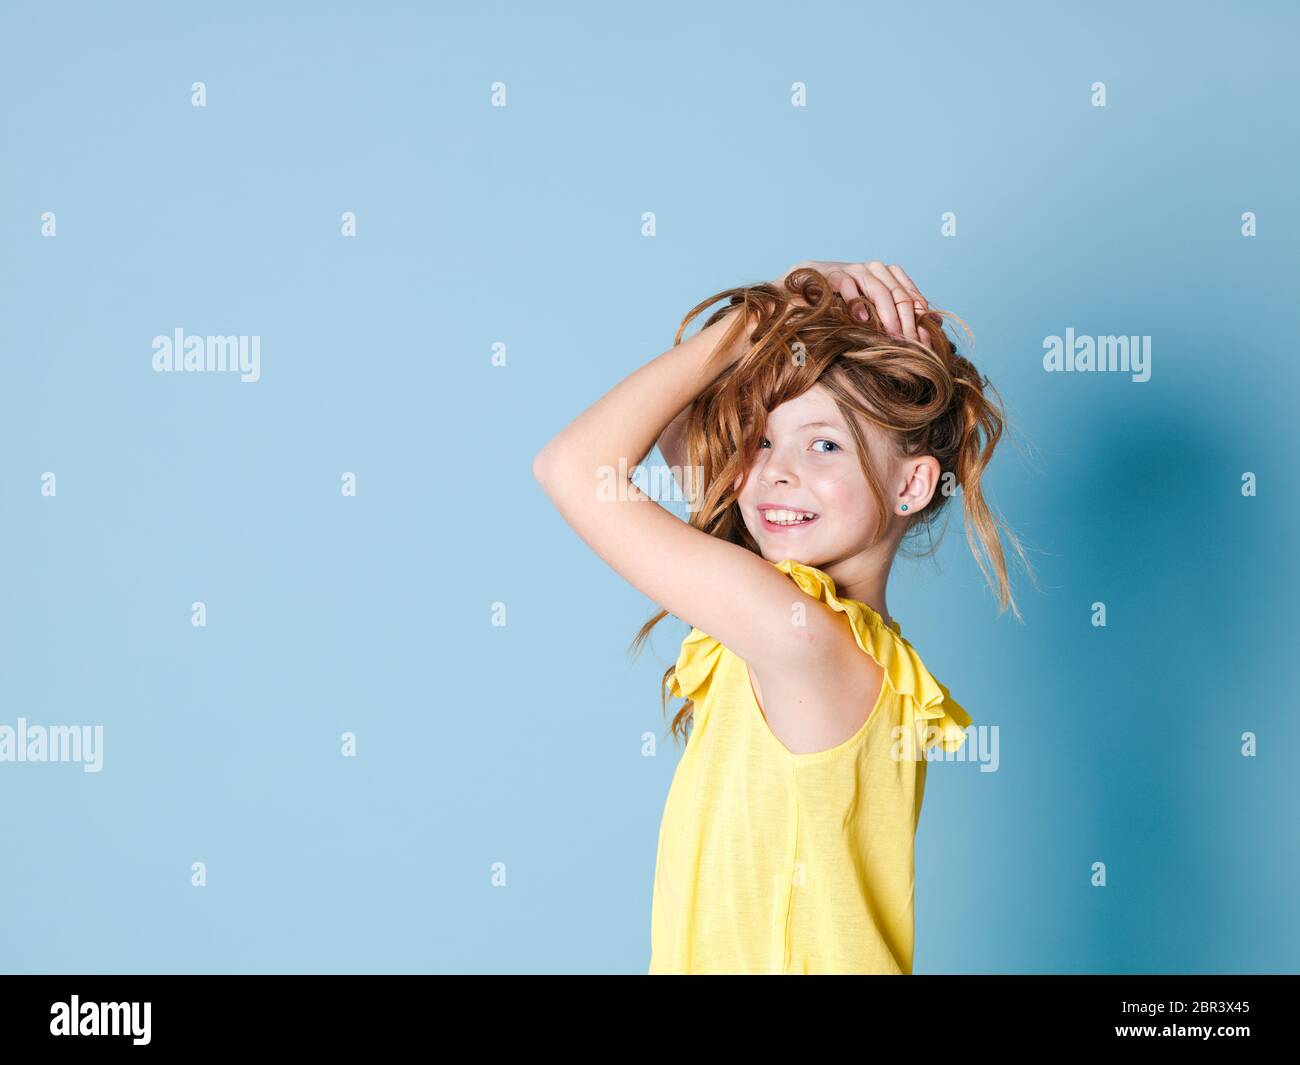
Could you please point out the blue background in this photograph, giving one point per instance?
(477, 225)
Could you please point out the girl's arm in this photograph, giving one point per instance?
(722, 589)
(672, 445)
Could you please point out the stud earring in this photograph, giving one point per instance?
(904, 506)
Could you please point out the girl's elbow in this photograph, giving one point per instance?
(546, 463)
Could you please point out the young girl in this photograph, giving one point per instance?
(819, 418)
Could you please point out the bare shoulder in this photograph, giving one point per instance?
(823, 701)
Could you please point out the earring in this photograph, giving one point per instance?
(904, 506)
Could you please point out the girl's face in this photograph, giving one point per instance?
(808, 464)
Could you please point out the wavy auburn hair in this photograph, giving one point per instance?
(930, 400)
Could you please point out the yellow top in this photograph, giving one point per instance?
(775, 862)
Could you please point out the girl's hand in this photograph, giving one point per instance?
(897, 300)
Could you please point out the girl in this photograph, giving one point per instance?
(819, 418)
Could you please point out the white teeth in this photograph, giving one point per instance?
(789, 517)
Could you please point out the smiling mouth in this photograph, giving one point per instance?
(787, 519)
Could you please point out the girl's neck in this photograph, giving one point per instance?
(857, 579)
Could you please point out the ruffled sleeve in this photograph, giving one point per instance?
(695, 665)
(943, 722)
(930, 714)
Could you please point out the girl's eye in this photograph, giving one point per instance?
(831, 445)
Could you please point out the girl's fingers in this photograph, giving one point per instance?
(923, 305)
(903, 287)
(847, 286)
(892, 300)
(851, 288)
(906, 307)
(889, 289)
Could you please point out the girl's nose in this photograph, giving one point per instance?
(775, 473)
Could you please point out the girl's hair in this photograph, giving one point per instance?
(931, 401)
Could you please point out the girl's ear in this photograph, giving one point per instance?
(921, 481)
